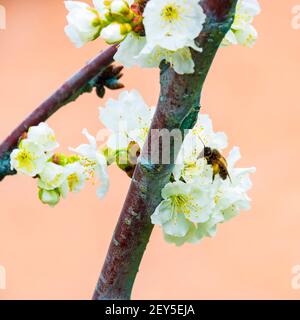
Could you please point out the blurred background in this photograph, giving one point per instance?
(251, 94)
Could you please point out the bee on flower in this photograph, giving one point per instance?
(185, 220)
(226, 198)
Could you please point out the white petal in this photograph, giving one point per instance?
(178, 227)
(233, 157)
(163, 213)
(71, 5)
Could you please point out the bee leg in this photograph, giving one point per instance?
(213, 178)
(216, 170)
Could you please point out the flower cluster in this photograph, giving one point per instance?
(198, 196)
(58, 174)
(163, 30)
(242, 32)
(194, 202)
(111, 20)
(152, 31)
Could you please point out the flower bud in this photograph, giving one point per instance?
(119, 7)
(84, 23)
(59, 159)
(101, 5)
(115, 32)
(50, 197)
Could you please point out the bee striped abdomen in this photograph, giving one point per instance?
(223, 173)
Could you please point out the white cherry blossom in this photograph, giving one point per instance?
(183, 205)
(84, 23)
(44, 136)
(52, 177)
(242, 32)
(132, 52)
(128, 118)
(172, 24)
(29, 158)
(94, 161)
(76, 176)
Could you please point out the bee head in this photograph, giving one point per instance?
(207, 152)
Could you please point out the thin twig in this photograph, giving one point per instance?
(79, 83)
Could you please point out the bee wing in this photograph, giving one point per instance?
(222, 162)
(223, 165)
(224, 159)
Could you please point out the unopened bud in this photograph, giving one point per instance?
(127, 158)
(59, 159)
(23, 137)
(50, 197)
(115, 32)
(119, 7)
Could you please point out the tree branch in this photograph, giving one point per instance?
(178, 107)
(83, 81)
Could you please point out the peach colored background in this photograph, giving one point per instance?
(253, 95)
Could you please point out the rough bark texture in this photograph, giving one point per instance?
(78, 84)
(178, 107)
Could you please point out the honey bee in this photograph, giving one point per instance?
(216, 160)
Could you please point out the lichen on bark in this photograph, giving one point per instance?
(5, 168)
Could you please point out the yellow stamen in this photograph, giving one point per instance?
(170, 13)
